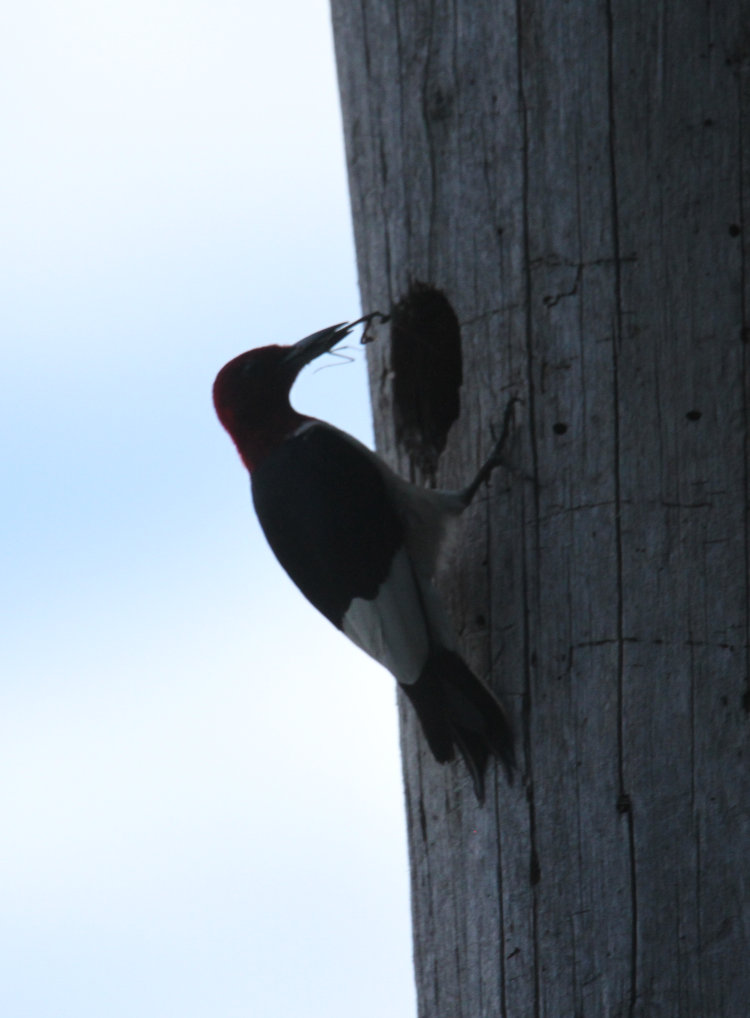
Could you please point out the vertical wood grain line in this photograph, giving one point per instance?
(616, 342)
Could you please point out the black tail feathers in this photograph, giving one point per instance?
(456, 709)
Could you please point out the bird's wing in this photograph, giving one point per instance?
(324, 506)
(393, 627)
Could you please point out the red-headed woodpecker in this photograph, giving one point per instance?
(361, 544)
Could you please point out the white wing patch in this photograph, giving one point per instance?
(393, 627)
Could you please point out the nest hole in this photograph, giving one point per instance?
(428, 373)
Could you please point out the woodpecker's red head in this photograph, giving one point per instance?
(251, 392)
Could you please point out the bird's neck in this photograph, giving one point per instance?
(255, 443)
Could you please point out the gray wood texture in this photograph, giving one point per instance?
(574, 177)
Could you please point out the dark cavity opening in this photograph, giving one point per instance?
(426, 363)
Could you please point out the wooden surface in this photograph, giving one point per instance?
(573, 176)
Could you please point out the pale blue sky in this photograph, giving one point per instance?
(199, 779)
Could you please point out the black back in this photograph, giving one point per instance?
(325, 512)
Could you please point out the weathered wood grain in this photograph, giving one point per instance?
(573, 176)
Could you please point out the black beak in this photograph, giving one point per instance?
(321, 342)
(318, 343)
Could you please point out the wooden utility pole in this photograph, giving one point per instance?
(555, 194)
